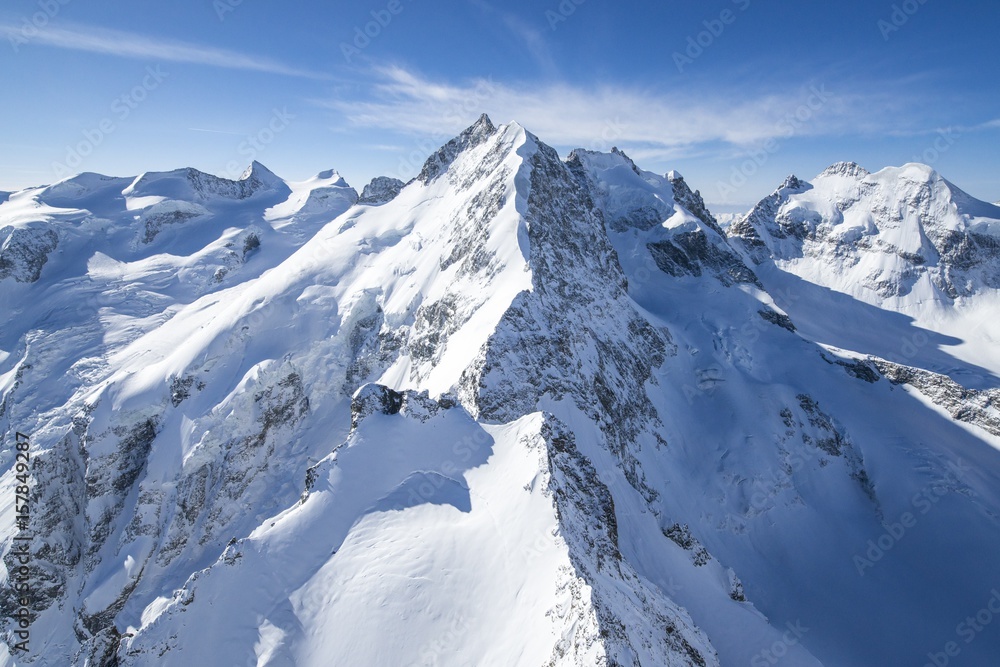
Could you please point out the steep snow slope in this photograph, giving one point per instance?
(540, 411)
(784, 459)
(425, 517)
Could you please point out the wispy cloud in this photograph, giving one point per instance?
(388, 148)
(133, 45)
(204, 129)
(656, 124)
(937, 129)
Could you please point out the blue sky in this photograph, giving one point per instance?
(735, 94)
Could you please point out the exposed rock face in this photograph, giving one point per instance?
(863, 370)
(24, 251)
(470, 138)
(168, 213)
(681, 536)
(972, 406)
(778, 319)
(692, 253)
(587, 517)
(255, 179)
(381, 190)
(374, 398)
(847, 170)
(692, 201)
(544, 345)
(764, 221)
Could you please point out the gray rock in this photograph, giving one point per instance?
(475, 135)
(691, 253)
(972, 406)
(25, 250)
(381, 190)
(778, 319)
(692, 201)
(374, 399)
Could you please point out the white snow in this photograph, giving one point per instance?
(239, 317)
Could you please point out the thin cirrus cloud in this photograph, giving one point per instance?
(658, 124)
(133, 45)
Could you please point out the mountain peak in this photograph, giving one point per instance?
(472, 136)
(848, 169)
(620, 153)
(483, 124)
(261, 174)
(692, 201)
(328, 175)
(794, 183)
(918, 171)
(904, 233)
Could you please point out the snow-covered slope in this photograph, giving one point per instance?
(518, 411)
(900, 236)
(905, 240)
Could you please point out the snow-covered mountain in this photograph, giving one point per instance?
(904, 240)
(901, 236)
(522, 410)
